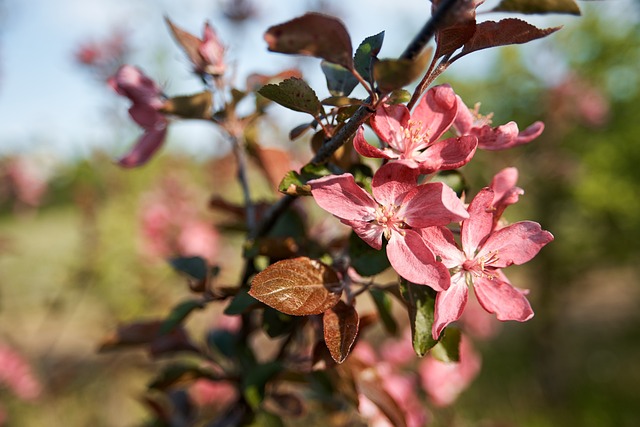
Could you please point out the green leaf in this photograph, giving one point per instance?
(392, 74)
(255, 381)
(194, 267)
(538, 6)
(340, 81)
(399, 96)
(384, 305)
(366, 260)
(366, 54)
(341, 101)
(179, 374)
(223, 342)
(266, 419)
(275, 323)
(179, 313)
(198, 106)
(295, 184)
(448, 349)
(313, 34)
(363, 175)
(421, 301)
(241, 303)
(295, 94)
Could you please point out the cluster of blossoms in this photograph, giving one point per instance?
(413, 217)
(16, 375)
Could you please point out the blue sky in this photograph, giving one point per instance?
(48, 103)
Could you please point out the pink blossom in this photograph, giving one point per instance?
(216, 394)
(211, 53)
(147, 100)
(413, 137)
(398, 351)
(27, 180)
(398, 209)
(505, 192)
(485, 251)
(444, 382)
(16, 374)
(471, 122)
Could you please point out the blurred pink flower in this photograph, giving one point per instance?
(444, 382)
(206, 54)
(103, 56)
(471, 122)
(216, 394)
(485, 251)
(398, 351)
(26, 180)
(16, 374)
(398, 209)
(412, 138)
(147, 99)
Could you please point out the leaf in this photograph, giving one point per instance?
(298, 286)
(197, 106)
(340, 81)
(457, 30)
(179, 313)
(223, 342)
(505, 32)
(370, 384)
(241, 303)
(341, 101)
(187, 41)
(392, 74)
(287, 404)
(295, 184)
(276, 323)
(131, 334)
(366, 260)
(384, 306)
(340, 330)
(366, 54)
(299, 130)
(266, 419)
(448, 349)
(399, 96)
(538, 6)
(421, 301)
(255, 381)
(195, 267)
(294, 94)
(179, 375)
(313, 34)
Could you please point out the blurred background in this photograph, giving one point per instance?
(76, 257)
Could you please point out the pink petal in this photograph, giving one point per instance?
(437, 110)
(134, 84)
(389, 122)
(212, 52)
(341, 196)
(371, 233)
(498, 138)
(448, 154)
(530, 133)
(146, 147)
(464, 119)
(516, 243)
(412, 259)
(367, 150)
(145, 116)
(431, 204)
(504, 300)
(450, 304)
(479, 224)
(441, 242)
(392, 181)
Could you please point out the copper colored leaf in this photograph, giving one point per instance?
(198, 106)
(370, 384)
(256, 81)
(457, 29)
(340, 330)
(505, 32)
(131, 334)
(538, 6)
(294, 94)
(392, 74)
(298, 286)
(313, 34)
(274, 162)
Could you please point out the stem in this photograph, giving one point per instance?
(429, 30)
(241, 158)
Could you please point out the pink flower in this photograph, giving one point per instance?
(444, 382)
(16, 374)
(413, 138)
(216, 394)
(485, 251)
(398, 209)
(505, 192)
(147, 100)
(471, 122)
(206, 54)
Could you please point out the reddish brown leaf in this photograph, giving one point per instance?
(256, 81)
(538, 6)
(187, 41)
(340, 330)
(298, 286)
(392, 74)
(147, 333)
(457, 29)
(274, 162)
(505, 32)
(313, 34)
(370, 384)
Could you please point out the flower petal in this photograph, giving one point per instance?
(479, 224)
(516, 243)
(371, 233)
(464, 118)
(431, 204)
(392, 181)
(145, 116)
(341, 196)
(437, 110)
(498, 138)
(530, 133)
(447, 154)
(450, 304)
(498, 297)
(367, 150)
(413, 260)
(389, 122)
(441, 242)
(146, 146)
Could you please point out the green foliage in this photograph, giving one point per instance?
(420, 301)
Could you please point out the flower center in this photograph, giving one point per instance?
(411, 138)
(386, 218)
(479, 119)
(481, 266)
